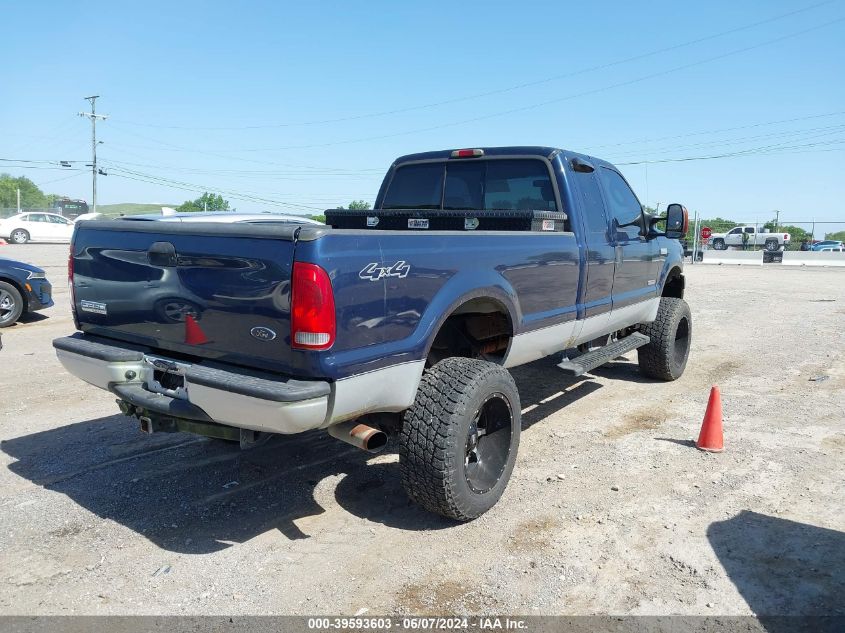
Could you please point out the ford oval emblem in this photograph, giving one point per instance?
(263, 333)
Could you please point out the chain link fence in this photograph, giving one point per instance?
(9, 212)
(802, 234)
(751, 236)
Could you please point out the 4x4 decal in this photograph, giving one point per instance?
(374, 272)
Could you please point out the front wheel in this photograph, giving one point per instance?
(11, 304)
(19, 236)
(665, 357)
(459, 440)
(719, 245)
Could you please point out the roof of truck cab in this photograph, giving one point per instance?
(516, 150)
(510, 150)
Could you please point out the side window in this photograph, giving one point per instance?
(592, 203)
(37, 217)
(622, 203)
(735, 231)
(749, 229)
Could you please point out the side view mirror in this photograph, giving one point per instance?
(677, 221)
(637, 223)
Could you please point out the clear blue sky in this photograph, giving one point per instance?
(298, 65)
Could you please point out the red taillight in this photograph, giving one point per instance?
(312, 317)
(70, 285)
(467, 153)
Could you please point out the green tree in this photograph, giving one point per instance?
(717, 224)
(319, 218)
(839, 235)
(206, 202)
(31, 195)
(358, 205)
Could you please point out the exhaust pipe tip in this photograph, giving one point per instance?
(375, 442)
(360, 436)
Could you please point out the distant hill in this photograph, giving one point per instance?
(131, 208)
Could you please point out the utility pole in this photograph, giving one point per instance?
(777, 216)
(19, 199)
(93, 116)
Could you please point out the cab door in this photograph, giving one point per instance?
(38, 227)
(734, 237)
(61, 228)
(635, 278)
(600, 256)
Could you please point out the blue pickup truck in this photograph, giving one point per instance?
(397, 322)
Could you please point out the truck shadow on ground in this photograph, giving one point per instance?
(192, 495)
(783, 568)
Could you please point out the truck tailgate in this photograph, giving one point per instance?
(218, 291)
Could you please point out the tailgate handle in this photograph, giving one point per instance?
(162, 254)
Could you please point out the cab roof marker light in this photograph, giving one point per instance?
(467, 153)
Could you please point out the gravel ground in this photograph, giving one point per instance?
(610, 510)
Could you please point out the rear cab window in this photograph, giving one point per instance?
(415, 187)
(491, 184)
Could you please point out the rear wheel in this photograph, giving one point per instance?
(665, 357)
(459, 440)
(19, 236)
(175, 310)
(11, 304)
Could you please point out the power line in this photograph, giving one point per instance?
(492, 92)
(43, 167)
(375, 170)
(68, 177)
(810, 132)
(719, 131)
(135, 175)
(26, 160)
(252, 172)
(530, 106)
(765, 150)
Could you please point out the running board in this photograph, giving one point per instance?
(589, 361)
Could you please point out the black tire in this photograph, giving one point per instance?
(719, 245)
(447, 465)
(19, 236)
(772, 246)
(11, 304)
(665, 357)
(174, 310)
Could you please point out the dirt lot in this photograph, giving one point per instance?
(610, 509)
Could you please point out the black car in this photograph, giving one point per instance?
(23, 288)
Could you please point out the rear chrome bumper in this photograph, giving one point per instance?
(227, 396)
(236, 397)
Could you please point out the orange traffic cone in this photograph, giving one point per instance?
(711, 438)
(193, 332)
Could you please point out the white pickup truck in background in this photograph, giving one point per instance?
(749, 236)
